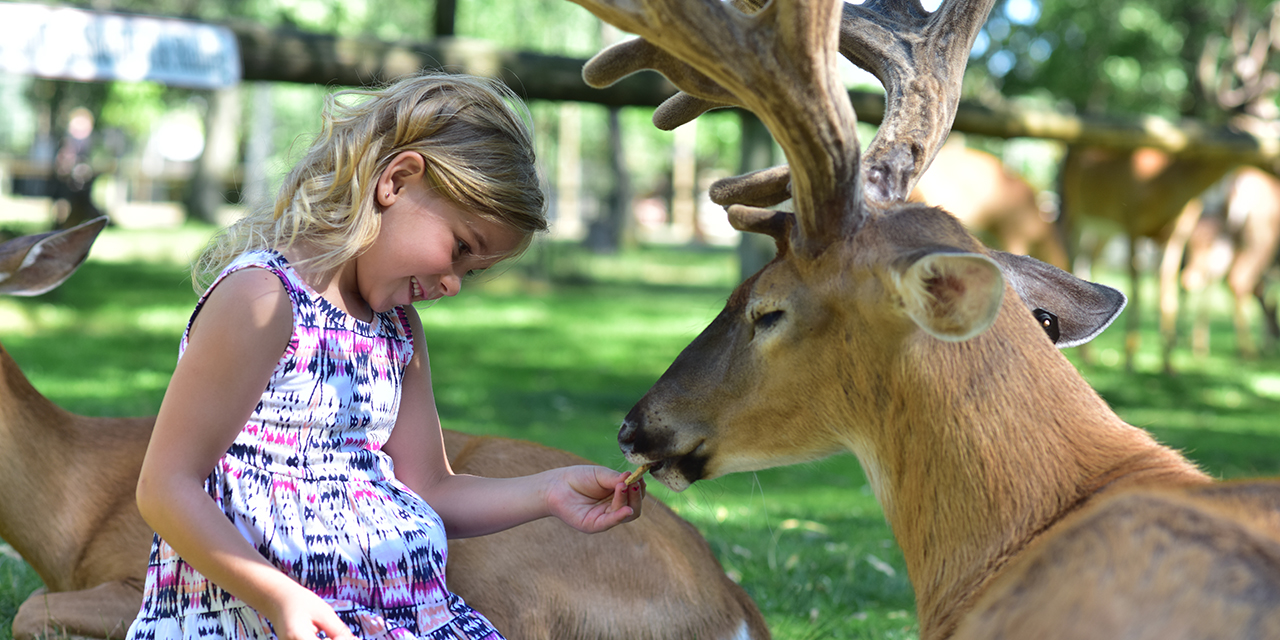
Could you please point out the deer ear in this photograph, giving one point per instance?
(1077, 310)
(32, 265)
(952, 296)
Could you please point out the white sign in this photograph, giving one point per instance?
(73, 44)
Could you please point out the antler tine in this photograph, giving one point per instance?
(780, 63)
(700, 94)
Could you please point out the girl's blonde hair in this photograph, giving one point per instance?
(472, 132)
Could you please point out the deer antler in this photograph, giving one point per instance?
(779, 62)
(919, 57)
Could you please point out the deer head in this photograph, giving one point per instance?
(810, 355)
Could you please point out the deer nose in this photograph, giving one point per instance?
(627, 433)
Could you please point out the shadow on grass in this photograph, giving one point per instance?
(844, 577)
(1217, 420)
(136, 285)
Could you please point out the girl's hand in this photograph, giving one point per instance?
(593, 499)
(303, 616)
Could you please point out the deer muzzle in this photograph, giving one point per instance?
(676, 458)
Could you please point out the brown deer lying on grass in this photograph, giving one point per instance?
(68, 510)
(978, 189)
(1239, 245)
(1024, 506)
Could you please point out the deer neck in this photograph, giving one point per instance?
(985, 446)
(34, 450)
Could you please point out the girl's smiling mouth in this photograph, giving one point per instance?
(415, 289)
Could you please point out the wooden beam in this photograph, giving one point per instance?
(282, 55)
(294, 56)
(1184, 137)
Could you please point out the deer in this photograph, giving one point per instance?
(977, 187)
(1151, 193)
(1023, 505)
(1240, 246)
(1146, 193)
(68, 510)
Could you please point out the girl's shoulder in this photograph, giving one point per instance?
(266, 260)
(254, 298)
(248, 298)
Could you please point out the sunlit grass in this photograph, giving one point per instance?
(558, 348)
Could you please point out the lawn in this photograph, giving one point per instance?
(559, 347)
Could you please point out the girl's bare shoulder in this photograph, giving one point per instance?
(249, 299)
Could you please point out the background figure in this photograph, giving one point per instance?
(73, 176)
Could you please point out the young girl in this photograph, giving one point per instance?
(284, 502)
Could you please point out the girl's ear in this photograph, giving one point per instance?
(408, 167)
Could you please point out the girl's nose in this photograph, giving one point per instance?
(450, 284)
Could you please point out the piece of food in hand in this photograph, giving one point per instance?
(635, 475)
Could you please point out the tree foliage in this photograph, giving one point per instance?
(1121, 57)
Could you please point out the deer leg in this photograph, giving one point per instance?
(104, 611)
(1134, 322)
(1270, 321)
(1170, 265)
(1200, 328)
(1088, 249)
(1244, 333)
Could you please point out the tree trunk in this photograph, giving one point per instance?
(614, 228)
(215, 168)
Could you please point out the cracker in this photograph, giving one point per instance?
(635, 475)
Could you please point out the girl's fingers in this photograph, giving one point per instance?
(636, 499)
(334, 629)
(619, 496)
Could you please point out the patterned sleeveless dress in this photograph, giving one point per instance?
(306, 483)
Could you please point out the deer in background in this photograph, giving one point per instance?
(1154, 194)
(987, 196)
(1144, 193)
(1239, 244)
(1025, 508)
(68, 510)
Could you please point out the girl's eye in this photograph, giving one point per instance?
(463, 248)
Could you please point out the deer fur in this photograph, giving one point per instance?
(68, 510)
(1024, 506)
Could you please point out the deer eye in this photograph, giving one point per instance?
(1049, 322)
(766, 320)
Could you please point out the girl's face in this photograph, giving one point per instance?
(426, 245)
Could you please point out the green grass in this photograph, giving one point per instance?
(561, 356)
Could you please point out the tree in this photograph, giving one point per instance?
(1122, 57)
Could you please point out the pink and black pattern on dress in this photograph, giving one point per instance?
(307, 484)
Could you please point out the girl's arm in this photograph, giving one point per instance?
(237, 339)
(588, 498)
